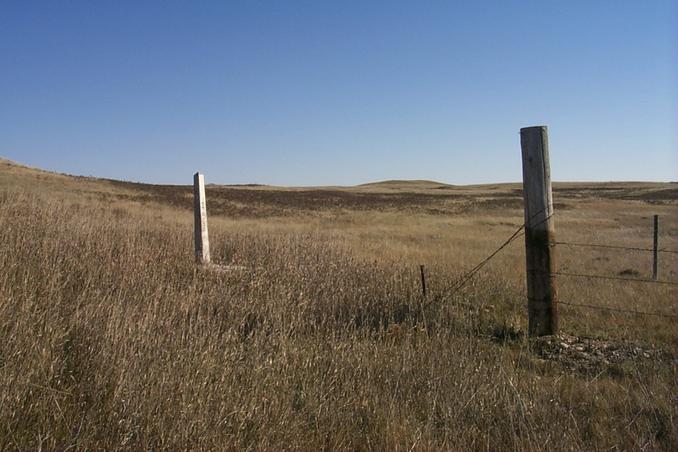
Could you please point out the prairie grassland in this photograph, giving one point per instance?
(112, 338)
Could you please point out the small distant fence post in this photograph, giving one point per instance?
(202, 244)
(655, 249)
(542, 303)
(423, 280)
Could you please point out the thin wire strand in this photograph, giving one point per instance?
(480, 265)
(468, 275)
(514, 236)
(619, 247)
(627, 311)
(615, 278)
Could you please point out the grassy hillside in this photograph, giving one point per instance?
(112, 338)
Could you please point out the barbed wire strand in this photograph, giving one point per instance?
(468, 275)
(614, 278)
(480, 265)
(627, 311)
(630, 248)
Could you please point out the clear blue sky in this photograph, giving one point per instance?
(339, 92)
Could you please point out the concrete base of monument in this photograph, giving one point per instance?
(223, 268)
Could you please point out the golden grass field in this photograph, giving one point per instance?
(112, 338)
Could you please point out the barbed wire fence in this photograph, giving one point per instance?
(539, 231)
(466, 277)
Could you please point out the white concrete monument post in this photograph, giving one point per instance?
(202, 243)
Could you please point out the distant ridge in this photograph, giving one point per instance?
(17, 172)
(412, 184)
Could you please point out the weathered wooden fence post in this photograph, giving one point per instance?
(542, 297)
(655, 249)
(202, 243)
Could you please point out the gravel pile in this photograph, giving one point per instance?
(594, 355)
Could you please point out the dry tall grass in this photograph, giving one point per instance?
(112, 338)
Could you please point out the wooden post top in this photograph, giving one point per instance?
(532, 128)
